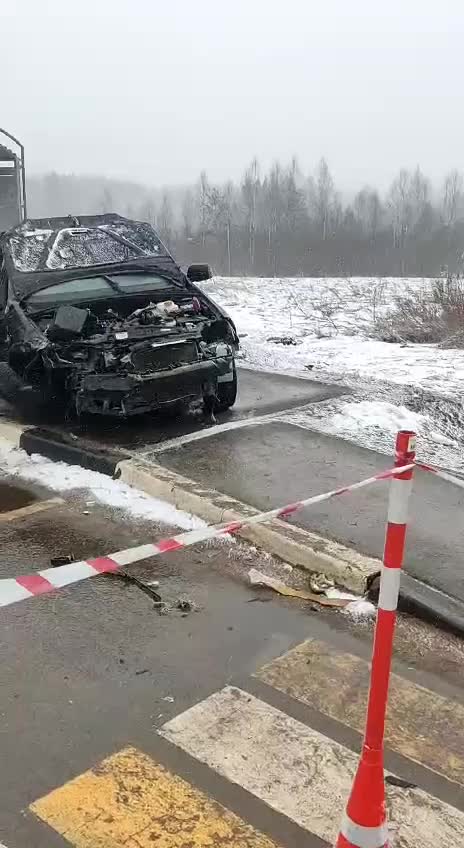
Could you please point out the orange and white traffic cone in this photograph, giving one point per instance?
(364, 824)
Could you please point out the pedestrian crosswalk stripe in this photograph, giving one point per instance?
(129, 800)
(420, 722)
(297, 771)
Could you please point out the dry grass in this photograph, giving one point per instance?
(424, 316)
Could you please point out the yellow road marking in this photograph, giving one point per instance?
(422, 725)
(131, 801)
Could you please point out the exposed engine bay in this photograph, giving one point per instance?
(119, 364)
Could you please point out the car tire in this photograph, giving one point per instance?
(227, 393)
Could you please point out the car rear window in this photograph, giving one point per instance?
(35, 250)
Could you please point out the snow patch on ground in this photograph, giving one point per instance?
(360, 610)
(386, 416)
(61, 477)
(331, 322)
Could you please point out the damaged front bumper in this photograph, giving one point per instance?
(121, 395)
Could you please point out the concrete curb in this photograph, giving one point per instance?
(431, 605)
(48, 444)
(287, 541)
(292, 544)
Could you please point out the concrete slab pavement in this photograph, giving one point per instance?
(270, 464)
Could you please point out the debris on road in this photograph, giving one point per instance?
(398, 781)
(373, 588)
(145, 587)
(285, 340)
(319, 583)
(257, 578)
(64, 559)
(184, 606)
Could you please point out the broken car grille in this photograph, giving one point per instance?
(160, 358)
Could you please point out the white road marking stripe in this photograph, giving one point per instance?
(12, 592)
(364, 837)
(73, 572)
(389, 588)
(398, 511)
(297, 771)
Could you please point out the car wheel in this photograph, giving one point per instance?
(227, 393)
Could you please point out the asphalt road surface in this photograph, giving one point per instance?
(259, 394)
(99, 748)
(271, 464)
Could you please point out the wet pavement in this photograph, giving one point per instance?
(272, 464)
(259, 394)
(14, 497)
(94, 670)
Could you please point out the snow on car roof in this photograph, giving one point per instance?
(46, 251)
(98, 240)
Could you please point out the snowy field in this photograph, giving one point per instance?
(330, 322)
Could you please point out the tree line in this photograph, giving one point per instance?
(282, 222)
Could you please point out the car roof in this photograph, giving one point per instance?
(42, 252)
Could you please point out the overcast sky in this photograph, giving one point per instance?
(156, 91)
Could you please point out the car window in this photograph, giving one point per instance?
(138, 282)
(38, 249)
(95, 287)
(72, 290)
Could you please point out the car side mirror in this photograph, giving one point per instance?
(199, 272)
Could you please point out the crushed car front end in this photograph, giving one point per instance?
(117, 339)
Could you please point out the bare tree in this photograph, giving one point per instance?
(148, 211)
(452, 197)
(374, 214)
(165, 220)
(419, 191)
(322, 197)
(399, 204)
(204, 202)
(220, 213)
(367, 209)
(188, 214)
(294, 211)
(273, 204)
(106, 203)
(250, 187)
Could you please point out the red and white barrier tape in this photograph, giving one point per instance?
(443, 474)
(19, 588)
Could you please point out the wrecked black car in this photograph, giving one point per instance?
(95, 312)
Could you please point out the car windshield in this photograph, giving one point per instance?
(94, 288)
